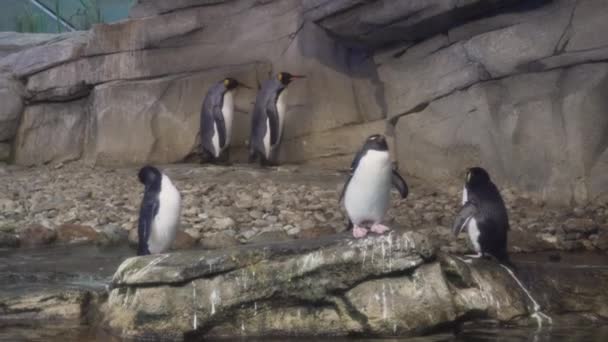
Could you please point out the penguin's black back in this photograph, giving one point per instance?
(492, 218)
(151, 177)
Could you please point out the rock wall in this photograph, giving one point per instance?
(515, 86)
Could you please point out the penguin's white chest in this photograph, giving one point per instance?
(368, 193)
(281, 111)
(228, 114)
(164, 225)
(473, 231)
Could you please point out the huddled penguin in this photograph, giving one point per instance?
(366, 193)
(159, 213)
(216, 120)
(484, 215)
(268, 118)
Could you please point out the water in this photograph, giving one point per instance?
(92, 267)
(470, 334)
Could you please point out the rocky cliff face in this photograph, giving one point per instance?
(515, 86)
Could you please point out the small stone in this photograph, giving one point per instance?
(218, 240)
(319, 216)
(248, 234)
(307, 224)
(223, 223)
(112, 235)
(194, 232)
(580, 225)
(8, 240)
(183, 240)
(256, 214)
(74, 233)
(601, 242)
(578, 212)
(294, 231)
(36, 235)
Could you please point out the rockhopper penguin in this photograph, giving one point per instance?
(366, 193)
(268, 119)
(216, 120)
(484, 215)
(159, 213)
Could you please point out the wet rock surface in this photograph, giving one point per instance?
(227, 206)
(392, 285)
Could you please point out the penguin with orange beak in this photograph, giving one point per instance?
(268, 119)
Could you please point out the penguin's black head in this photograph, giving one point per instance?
(230, 83)
(285, 78)
(149, 175)
(376, 142)
(477, 175)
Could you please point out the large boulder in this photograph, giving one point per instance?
(11, 42)
(390, 285)
(169, 71)
(543, 38)
(51, 132)
(381, 22)
(11, 100)
(163, 124)
(63, 48)
(544, 133)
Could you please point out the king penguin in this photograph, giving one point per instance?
(216, 120)
(268, 118)
(484, 215)
(366, 193)
(159, 212)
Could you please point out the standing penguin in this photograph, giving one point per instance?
(216, 119)
(268, 118)
(366, 193)
(484, 215)
(159, 212)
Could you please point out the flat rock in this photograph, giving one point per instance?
(36, 235)
(74, 233)
(329, 286)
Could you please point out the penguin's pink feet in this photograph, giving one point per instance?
(379, 228)
(359, 232)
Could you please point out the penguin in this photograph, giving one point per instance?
(216, 120)
(366, 193)
(159, 213)
(268, 118)
(484, 216)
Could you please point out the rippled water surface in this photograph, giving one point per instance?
(90, 266)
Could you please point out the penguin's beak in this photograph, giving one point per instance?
(298, 76)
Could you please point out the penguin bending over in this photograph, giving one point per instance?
(268, 119)
(484, 215)
(366, 193)
(216, 120)
(159, 213)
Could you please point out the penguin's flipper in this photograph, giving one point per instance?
(400, 184)
(344, 188)
(218, 117)
(464, 216)
(149, 209)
